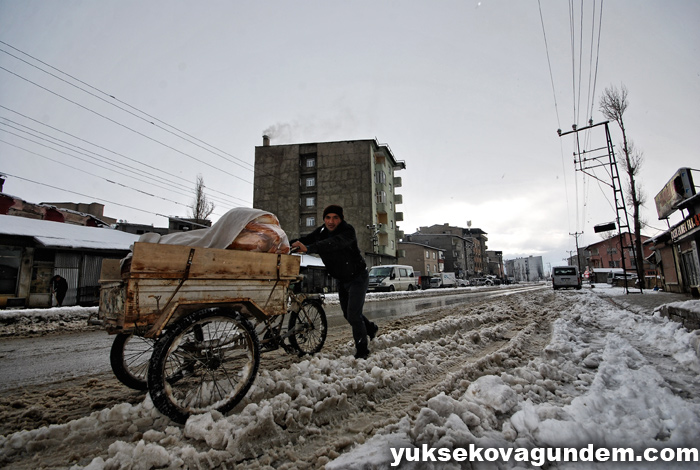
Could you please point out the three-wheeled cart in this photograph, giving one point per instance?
(190, 322)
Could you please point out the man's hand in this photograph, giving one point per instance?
(300, 247)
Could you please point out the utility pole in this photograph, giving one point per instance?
(586, 161)
(578, 257)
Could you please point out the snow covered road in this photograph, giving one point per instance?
(532, 369)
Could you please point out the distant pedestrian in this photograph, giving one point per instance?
(59, 287)
(336, 242)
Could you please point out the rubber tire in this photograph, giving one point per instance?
(411, 287)
(129, 358)
(310, 341)
(171, 385)
(392, 288)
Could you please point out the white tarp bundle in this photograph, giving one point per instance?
(250, 229)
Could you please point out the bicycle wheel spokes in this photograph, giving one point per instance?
(129, 358)
(208, 364)
(309, 328)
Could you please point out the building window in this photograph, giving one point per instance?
(310, 201)
(311, 221)
(379, 177)
(427, 254)
(311, 162)
(381, 197)
(310, 181)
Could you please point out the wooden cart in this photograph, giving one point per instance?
(190, 322)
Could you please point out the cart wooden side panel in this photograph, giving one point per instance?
(165, 282)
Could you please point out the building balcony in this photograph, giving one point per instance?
(398, 216)
(397, 182)
(382, 208)
(398, 198)
(385, 250)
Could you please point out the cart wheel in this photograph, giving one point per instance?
(205, 361)
(311, 322)
(129, 358)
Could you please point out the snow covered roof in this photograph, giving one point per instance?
(61, 235)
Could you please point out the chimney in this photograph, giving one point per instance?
(266, 141)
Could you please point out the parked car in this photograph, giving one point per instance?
(393, 277)
(463, 282)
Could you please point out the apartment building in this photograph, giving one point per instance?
(297, 181)
(530, 269)
(608, 254)
(464, 248)
(425, 259)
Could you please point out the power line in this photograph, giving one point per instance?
(597, 57)
(124, 125)
(549, 63)
(132, 175)
(93, 174)
(110, 151)
(134, 108)
(98, 199)
(124, 103)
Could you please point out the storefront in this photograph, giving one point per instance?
(676, 250)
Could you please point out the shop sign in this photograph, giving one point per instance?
(678, 188)
(686, 226)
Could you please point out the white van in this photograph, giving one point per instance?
(619, 277)
(392, 277)
(565, 276)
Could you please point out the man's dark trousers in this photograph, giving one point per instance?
(351, 295)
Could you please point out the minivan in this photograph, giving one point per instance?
(566, 276)
(391, 278)
(615, 278)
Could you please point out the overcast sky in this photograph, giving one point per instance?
(460, 90)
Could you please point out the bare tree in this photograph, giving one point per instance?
(613, 105)
(201, 206)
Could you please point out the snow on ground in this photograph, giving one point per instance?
(38, 321)
(607, 377)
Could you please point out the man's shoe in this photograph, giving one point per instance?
(373, 331)
(361, 354)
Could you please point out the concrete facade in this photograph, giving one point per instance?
(425, 259)
(528, 269)
(495, 264)
(464, 248)
(297, 181)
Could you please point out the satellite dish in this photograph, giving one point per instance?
(469, 223)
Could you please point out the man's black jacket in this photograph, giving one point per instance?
(338, 250)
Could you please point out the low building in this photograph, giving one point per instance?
(424, 259)
(607, 254)
(32, 251)
(675, 251)
(89, 215)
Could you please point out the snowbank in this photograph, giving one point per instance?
(600, 375)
